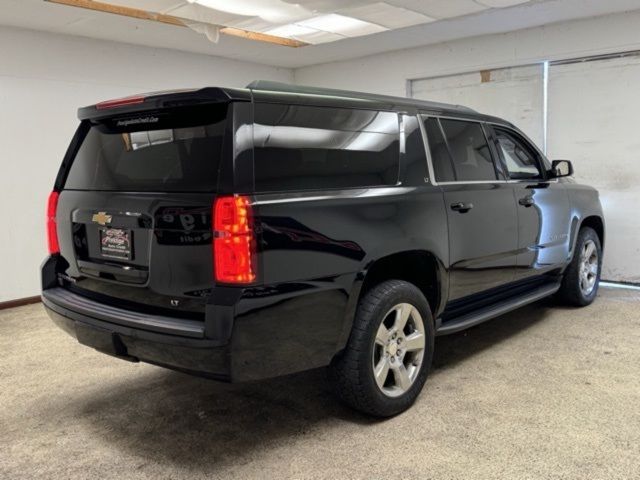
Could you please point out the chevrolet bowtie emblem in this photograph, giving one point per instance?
(101, 217)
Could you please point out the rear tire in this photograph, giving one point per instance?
(388, 356)
(582, 276)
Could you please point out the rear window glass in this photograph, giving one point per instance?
(439, 151)
(472, 159)
(305, 148)
(173, 152)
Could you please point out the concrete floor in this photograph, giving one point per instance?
(545, 392)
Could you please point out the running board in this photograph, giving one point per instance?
(487, 313)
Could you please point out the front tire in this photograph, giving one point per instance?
(582, 277)
(388, 356)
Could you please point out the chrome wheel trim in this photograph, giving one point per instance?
(588, 268)
(398, 350)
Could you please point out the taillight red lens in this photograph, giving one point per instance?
(120, 102)
(234, 241)
(52, 227)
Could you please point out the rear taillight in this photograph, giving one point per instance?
(234, 240)
(52, 228)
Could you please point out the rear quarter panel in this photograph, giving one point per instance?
(314, 249)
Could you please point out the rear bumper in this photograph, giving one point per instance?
(169, 342)
(246, 334)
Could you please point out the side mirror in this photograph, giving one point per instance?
(561, 168)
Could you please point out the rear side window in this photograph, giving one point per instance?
(470, 152)
(172, 152)
(443, 169)
(300, 147)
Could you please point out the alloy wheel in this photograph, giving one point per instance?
(399, 350)
(588, 267)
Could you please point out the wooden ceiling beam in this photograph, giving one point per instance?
(171, 20)
(262, 37)
(122, 11)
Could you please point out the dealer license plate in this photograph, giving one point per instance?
(115, 243)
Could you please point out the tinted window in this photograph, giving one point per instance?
(150, 153)
(469, 149)
(414, 158)
(520, 158)
(440, 157)
(301, 148)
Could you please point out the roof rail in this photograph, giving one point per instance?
(271, 86)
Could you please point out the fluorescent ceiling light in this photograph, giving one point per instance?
(304, 34)
(319, 36)
(291, 31)
(347, 26)
(276, 11)
(389, 16)
(441, 8)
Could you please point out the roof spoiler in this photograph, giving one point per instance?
(159, 100)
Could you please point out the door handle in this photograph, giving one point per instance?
(461, 207)
(526, 201)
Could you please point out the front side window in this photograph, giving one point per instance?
(470, 152)
(299, 147)
(520, 159)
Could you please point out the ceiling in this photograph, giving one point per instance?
(308, 22)
(406, 23)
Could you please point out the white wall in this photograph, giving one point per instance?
(388, 72)
(515, 94)
(593, 120)
(44, 78)
(596, 109)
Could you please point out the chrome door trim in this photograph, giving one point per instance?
(427, 149)
(473, 182)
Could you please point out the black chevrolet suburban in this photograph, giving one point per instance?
(249, 233)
